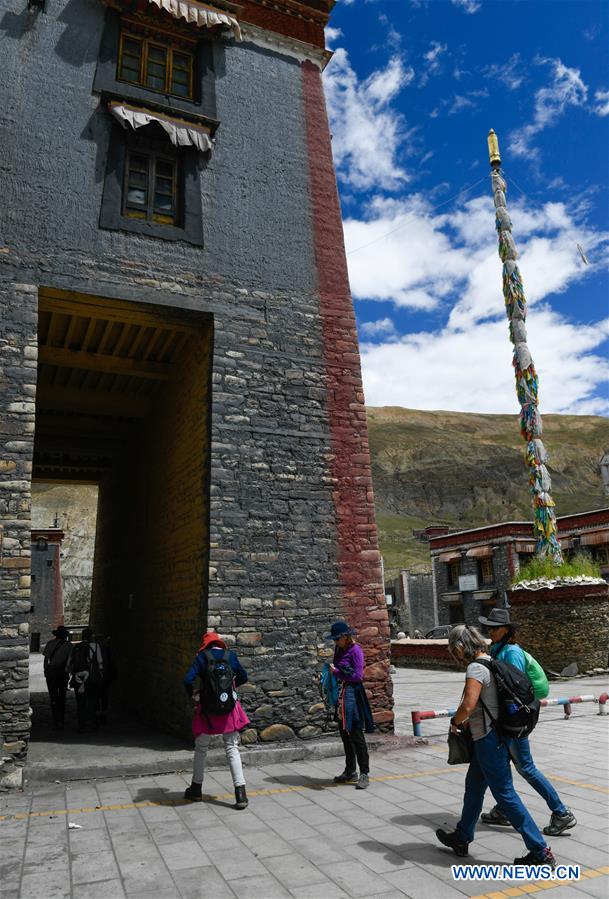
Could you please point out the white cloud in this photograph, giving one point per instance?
(460, 103)
(332, 34)
(471, 371)
(414, 258)
(366, 132)
(602, 103)
(511, 73)
(382, 327)
(433, 61)
(566, 89)
(468, 6)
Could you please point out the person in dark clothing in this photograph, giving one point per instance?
(109, 675)
(56, 660)
(87, 670)
(353, 712)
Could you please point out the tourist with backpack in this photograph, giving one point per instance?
(56, 660)
(352, 712)
(87, 670)
(482, 707)
(217, 711)
(504, 648)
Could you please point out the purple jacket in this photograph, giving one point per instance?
(350, 664)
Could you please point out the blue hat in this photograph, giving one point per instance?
(339, 629)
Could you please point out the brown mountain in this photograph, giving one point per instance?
(466, 470)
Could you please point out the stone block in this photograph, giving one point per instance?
(277, 733)
(249, 639)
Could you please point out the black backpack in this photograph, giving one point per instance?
(518, 708)
(217, 695)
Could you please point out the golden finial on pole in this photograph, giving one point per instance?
(493, 150)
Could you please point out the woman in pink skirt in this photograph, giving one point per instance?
(217, 711)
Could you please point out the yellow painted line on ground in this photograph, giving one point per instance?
(271, 791)
(578, 783)
(585, 874)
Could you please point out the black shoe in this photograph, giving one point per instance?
(559, 823)
(347, 777)
(545, 857)
(363, 782)
(240, 797)
(453, 842)
(193, 793)
(495, 817)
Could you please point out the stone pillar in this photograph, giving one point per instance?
(18, 363)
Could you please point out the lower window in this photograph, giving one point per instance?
(152, 187)
(150, 191)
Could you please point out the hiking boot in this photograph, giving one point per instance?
(347, 777)
(559, 823)
(453, 842)
(363, 782)
(495, 817)
(240, 797)
(546, 857)
(193, 793)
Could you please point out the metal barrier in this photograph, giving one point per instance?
(419, 716)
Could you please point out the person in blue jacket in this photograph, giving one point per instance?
(502, 632)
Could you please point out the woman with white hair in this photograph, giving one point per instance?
(490, 765)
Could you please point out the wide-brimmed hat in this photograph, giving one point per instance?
(496, 618)
(339, 629)
(61, 632)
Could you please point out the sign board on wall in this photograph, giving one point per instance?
(468, 582)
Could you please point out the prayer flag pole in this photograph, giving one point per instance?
(527, 382)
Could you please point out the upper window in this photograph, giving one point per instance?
(151, 188)
(161, 67)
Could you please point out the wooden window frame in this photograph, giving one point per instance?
(149, 214)
(486, 565)
(170, 47)
(452, 567)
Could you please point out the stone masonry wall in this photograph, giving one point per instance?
(18, 353)
(564, 625)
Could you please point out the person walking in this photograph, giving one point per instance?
(217, 711)
(87, 670)
(490, 765)
(56, 660)
(353, 712)
(504, 647)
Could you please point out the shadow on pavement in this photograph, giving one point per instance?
(299, 780)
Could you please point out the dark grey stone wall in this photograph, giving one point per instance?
(273, 584)
(18, 353)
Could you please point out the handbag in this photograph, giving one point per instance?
(460, 747)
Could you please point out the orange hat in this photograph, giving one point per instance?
(211, 638)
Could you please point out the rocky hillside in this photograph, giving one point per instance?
(466, 470)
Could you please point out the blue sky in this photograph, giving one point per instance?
(412, 90)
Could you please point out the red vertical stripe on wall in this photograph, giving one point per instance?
(358, 553)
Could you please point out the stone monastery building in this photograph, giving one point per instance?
(176, 326)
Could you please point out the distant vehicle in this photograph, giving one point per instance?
(439, 633)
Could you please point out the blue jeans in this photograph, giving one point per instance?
(523, 760)
(490, 767)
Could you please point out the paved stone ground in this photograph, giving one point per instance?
(302, 837)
